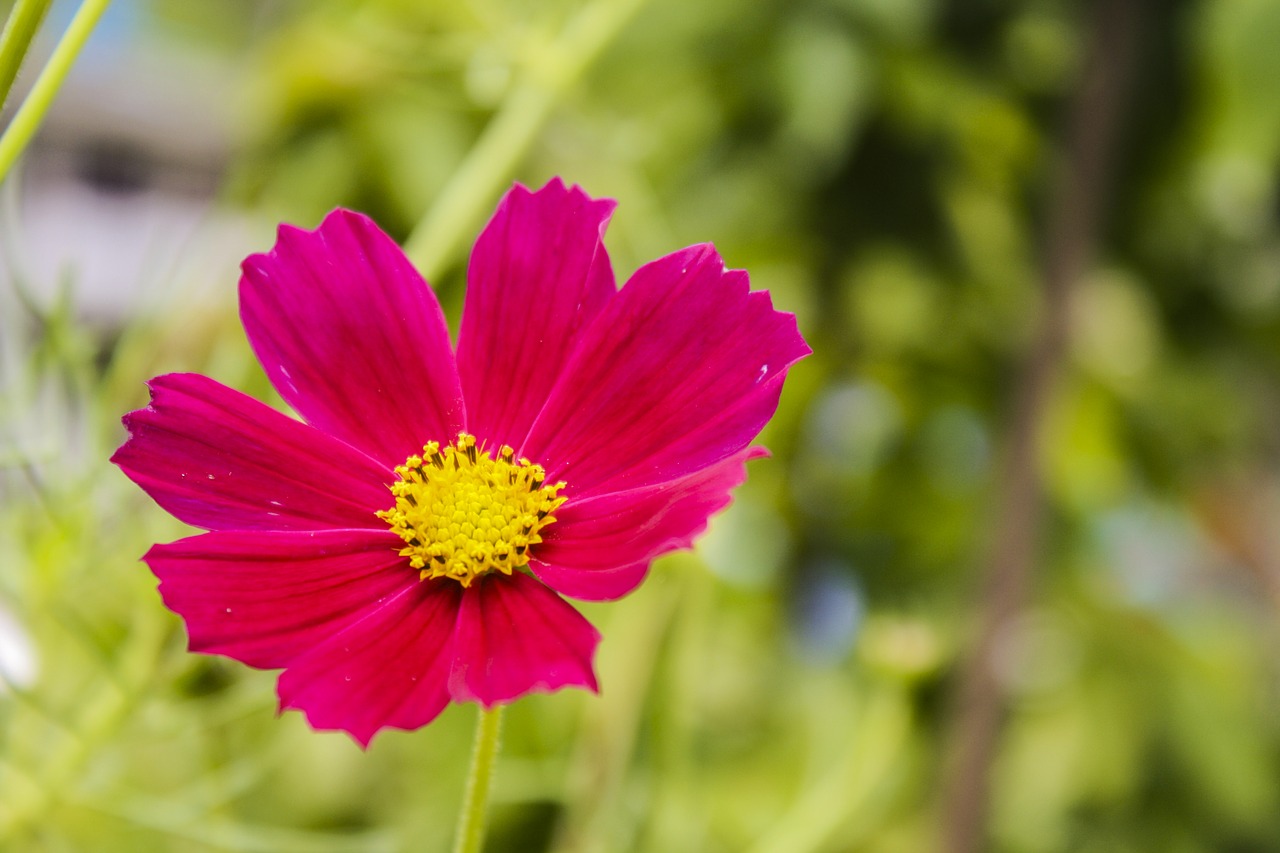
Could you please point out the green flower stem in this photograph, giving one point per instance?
(493, 159)
(15, 41)
(471, 822)
(33, 109)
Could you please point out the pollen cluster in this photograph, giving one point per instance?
(463, 513)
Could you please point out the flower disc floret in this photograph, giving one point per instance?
(463, 513)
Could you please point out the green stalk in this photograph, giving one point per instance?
(475, 806)
(493, 159)
(33, 109)
(15, 41)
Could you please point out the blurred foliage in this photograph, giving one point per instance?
(882, 167)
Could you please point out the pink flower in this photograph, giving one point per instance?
(408, 544)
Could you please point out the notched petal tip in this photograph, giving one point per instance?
(259, 267)
(789, 327)
(155, 386)
(556, 199)
(554, 188)
(133, 421)
(362, 737)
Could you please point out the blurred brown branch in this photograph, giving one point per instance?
(1074, 215)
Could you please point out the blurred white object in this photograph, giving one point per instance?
(17, 655)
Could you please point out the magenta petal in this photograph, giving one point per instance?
(267, 597)
(603, 583)
(679, 371)
(539, 274)
(600, 548)
(352, 337)
(221, 460)
(516, 636)
(388, 669)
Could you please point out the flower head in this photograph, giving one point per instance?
(407, 544)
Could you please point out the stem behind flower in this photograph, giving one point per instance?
(471, 820)
(32, 112)
(492, 160)
(19, 31)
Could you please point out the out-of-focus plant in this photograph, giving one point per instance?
(882, 169)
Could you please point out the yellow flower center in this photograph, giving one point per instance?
(463, 513)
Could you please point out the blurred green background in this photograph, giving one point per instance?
(1009, 581)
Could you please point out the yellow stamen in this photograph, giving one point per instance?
(463, 513)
